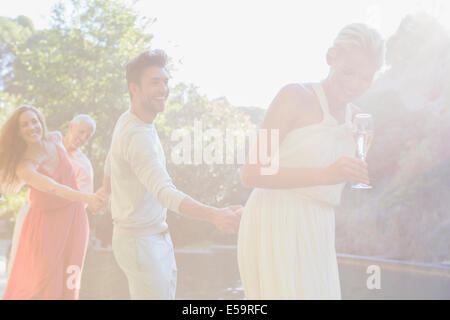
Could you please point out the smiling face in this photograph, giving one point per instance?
(30, 127)
(152, 91)
(78, 134)
(351, 73)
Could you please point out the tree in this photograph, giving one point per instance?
(216, 184)
(77, 66)
(12, 33)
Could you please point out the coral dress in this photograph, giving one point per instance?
(286, 247)
(52, 244)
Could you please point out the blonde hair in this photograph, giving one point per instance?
(361, 36)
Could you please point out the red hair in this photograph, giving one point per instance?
(13, 147)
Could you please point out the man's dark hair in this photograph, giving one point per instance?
(148, 58)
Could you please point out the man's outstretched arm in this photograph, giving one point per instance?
(143, 159)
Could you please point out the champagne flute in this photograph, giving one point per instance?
(363, 135)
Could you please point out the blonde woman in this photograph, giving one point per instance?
(286, 247)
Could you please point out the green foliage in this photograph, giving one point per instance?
(12, 33)
(219, 182)
(8, 103)
(77, 66)
(214, 184)
(10, 207)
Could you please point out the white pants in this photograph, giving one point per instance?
(20, 218)
(149, 265)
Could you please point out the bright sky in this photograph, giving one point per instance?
(246, 50)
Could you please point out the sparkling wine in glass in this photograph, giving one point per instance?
(363, 135)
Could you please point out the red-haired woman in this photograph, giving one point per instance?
(54, 237)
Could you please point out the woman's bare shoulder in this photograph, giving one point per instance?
(298, 92)
(292, 99)
(303, 99)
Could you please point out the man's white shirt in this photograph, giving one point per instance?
(141, 188)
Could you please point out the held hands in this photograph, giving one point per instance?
(103, 194)
(98, 202)
(227, 219)
(347, 169)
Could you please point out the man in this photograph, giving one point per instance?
(81, 129)
(142, 190)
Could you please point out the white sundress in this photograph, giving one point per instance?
(286, 240)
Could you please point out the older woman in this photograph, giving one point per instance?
(53, 241)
